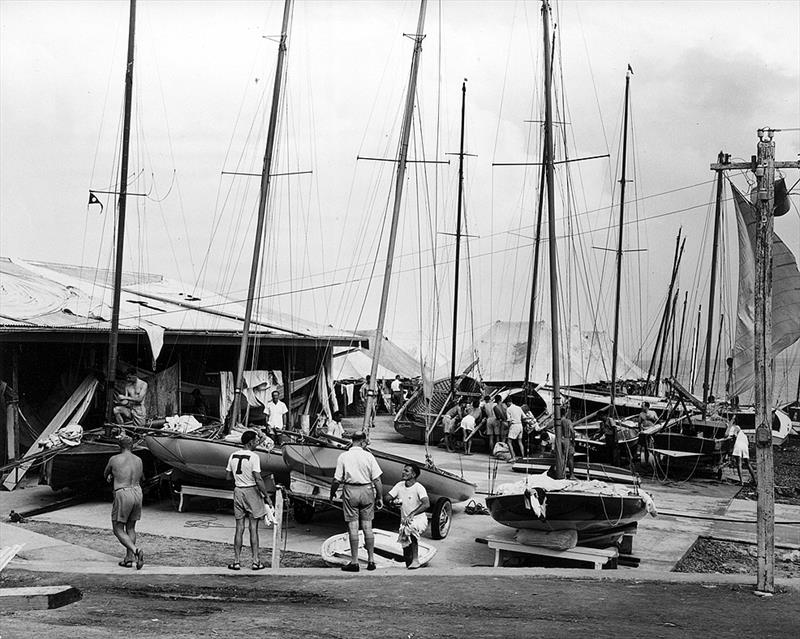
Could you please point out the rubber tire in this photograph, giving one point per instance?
(303, 512)
(441, 518)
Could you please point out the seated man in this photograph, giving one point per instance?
(129, 405)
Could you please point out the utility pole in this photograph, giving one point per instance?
(764, 165)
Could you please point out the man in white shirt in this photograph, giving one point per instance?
(514, 413)
(249, 495)
(359, 474)
(276, 413)
(397, 393)
(413, 500)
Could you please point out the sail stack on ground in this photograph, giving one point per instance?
(785, 296)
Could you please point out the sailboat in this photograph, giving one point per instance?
(80, 466)
(538, 502)
(203, 460)
(317, 461)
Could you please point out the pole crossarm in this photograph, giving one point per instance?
(747, 166)
(363, 157)
(271, 174)
(589, 157)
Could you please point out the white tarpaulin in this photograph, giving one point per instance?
(785, 297)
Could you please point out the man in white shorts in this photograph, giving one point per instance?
(413, 500)
(514, 413)
(741, 452)
(249, 495)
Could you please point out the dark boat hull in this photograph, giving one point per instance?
(588, 514)
(320, 461)
(81, 467)
(202, 462)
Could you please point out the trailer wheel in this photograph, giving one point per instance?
(441, 518)
(303, 512)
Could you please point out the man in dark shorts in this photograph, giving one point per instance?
(359, 474)
(567, 437)
(125, 471)
(249, 496)
(646, 420)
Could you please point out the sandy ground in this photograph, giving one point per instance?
(402, 605)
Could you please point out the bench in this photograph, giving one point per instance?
(200, 491)
(598, 557)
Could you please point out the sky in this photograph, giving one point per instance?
(706, 76)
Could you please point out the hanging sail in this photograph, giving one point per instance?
(785, 296)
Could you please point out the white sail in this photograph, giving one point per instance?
(785, 296)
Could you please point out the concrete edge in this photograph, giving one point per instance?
(619, 576)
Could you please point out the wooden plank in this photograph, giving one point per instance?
(7, 553)
(73, 410)
(37, 598)
(276, 531)
(596, 556)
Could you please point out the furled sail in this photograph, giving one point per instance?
(785, 296)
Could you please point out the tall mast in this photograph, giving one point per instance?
(713, 284)
(398, 197)
(121, 210)
(458, 241)
(532, 313)
(262, 213)
(551, 229)
(623, 182)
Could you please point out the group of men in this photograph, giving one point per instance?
(502, 421)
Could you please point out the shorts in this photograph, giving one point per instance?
(358, 503)
(248, 502)
(397, 397)
(466, 432)
(515, 431)
(642, 440)
(447, 424)
(127, 504)
(493, 427)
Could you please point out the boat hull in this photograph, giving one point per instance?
(388, 552)
(745, 418)
(203, 461)
(588, 514)
(81, 467)
(320, 461)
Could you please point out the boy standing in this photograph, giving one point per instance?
(249, 495)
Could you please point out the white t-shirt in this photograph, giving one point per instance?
(242, 464)
(468, 422)
(335, 429)
(275, 413)
(411, 497)
(395, 385)
(514, 414)
(356, 466)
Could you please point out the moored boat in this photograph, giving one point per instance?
(320, 461)
(203, 461)
(588, 507)
(583, 470)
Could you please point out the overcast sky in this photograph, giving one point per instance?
(707, 75)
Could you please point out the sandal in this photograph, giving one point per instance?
(139, 559)
(480, 509)
(234, 566)
(125, 563)
(471, 507)
(258, 566)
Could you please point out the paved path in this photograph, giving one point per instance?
(660, 542)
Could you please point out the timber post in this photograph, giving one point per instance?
(764, 165)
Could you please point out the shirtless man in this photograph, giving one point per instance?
(125, 471)
(129, 405)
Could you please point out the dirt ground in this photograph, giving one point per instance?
(726, 557)
(167, 551)
(786, 462)
(399, 606)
